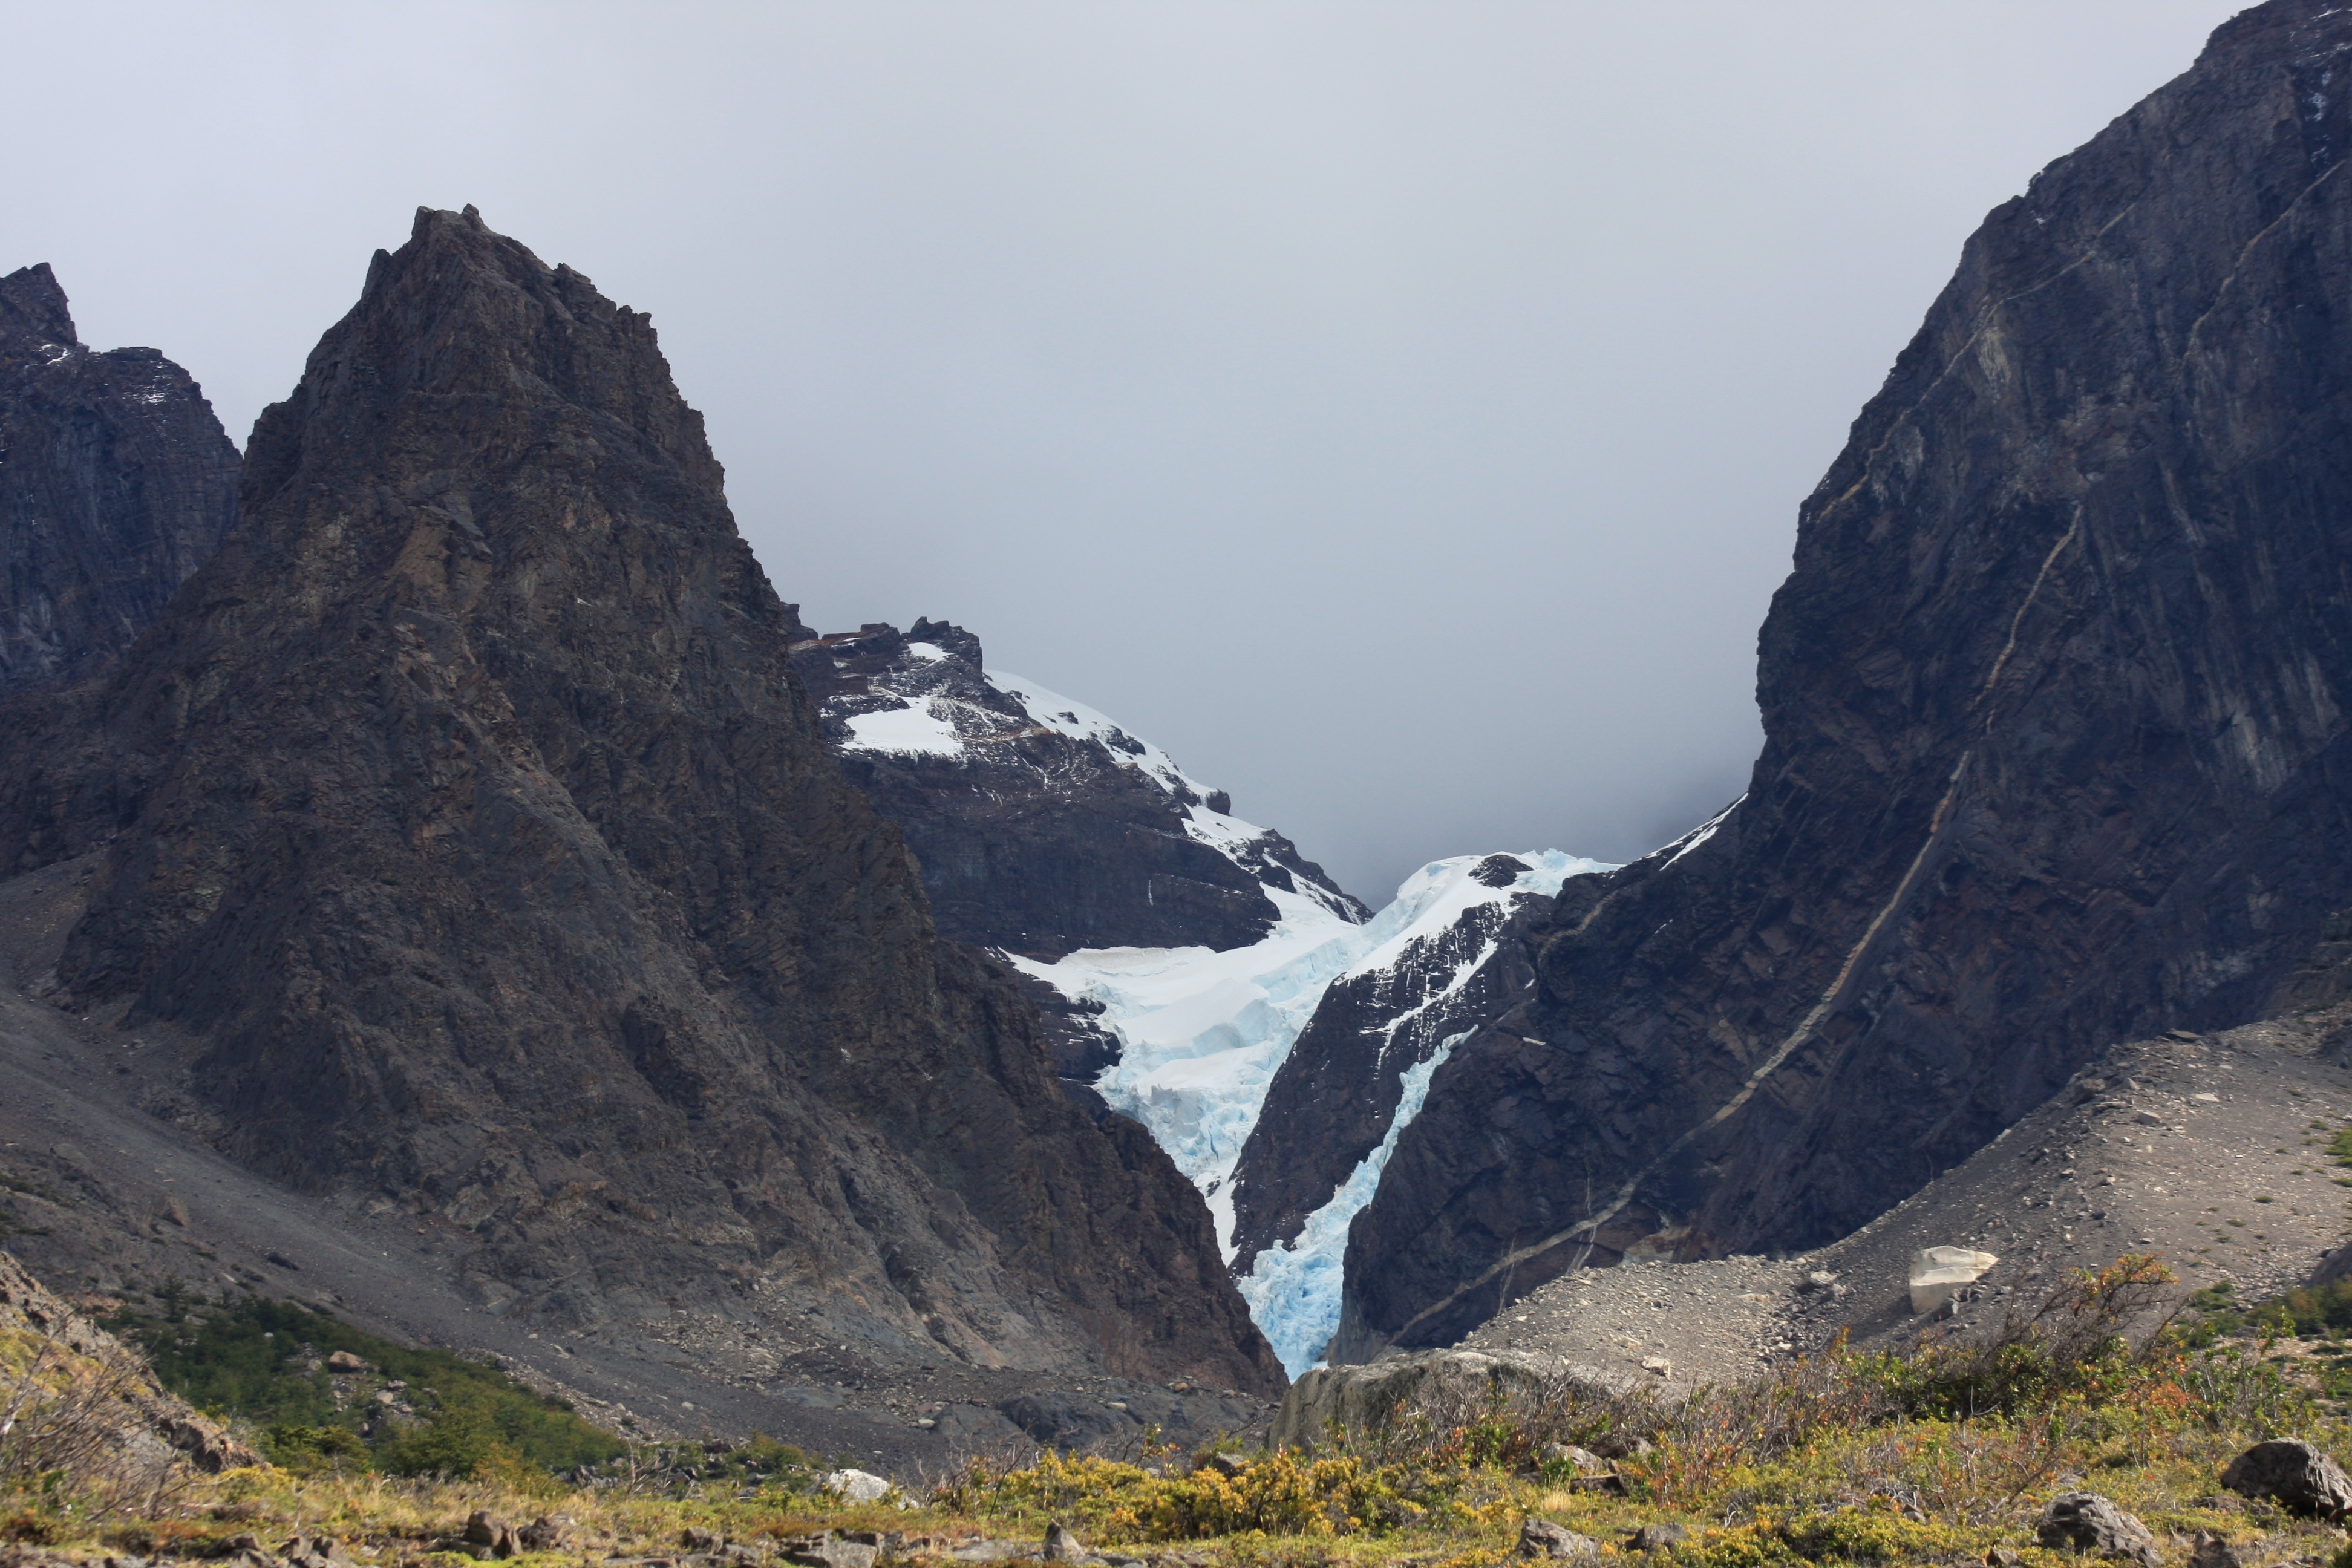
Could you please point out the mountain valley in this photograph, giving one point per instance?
(443, 881)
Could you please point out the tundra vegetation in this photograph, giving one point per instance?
(1948, 1453)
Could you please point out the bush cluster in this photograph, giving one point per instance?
(259, 1360)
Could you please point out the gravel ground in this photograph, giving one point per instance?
(2208, 1150)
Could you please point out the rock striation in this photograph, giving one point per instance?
(2055, 746)
(1041, 827)
(465, 811)
(116, 483)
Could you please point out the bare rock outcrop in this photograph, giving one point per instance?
(108, 1402)
(466, 811)
(116, 483)
(2055, 713)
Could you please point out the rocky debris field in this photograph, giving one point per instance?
(109, 1188)
(2212, 1152)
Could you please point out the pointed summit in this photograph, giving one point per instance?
(33, 312)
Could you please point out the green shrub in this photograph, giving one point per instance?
(256, 1359)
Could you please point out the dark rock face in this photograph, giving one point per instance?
(2055, 740)
(1336, 1093)
(1040, 827)
(466, 809)
(116, 483)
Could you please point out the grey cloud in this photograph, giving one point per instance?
(1398, 412)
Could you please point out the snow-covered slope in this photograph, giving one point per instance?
(1202, 1035)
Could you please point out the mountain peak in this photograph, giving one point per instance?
(458, 320)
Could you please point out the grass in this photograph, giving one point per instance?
(1846, 1458)
(262, 1363)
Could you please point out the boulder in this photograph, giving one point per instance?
(344, 1360)
(2085, 1522)
(858, 1485)
(1365, 1399)
(1542, 1537)
(1941, 1273)
(2297, 1475)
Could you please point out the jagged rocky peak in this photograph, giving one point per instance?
(466, 816)
(2054, 703)
(116, 483)
(1041, 826)
(34, 315)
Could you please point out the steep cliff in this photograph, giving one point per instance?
(116, 482)
(466, 811)
(1041, 827)
(2056, 748)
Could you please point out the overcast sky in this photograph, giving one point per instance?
(1398, 412)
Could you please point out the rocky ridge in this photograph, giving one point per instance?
(116, 483)
(2055, 738)
(1041, 826)
(463, 825)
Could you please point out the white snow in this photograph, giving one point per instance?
(917, 729)
(1203, 1034)
(1696, 836)
(1227, 835)
(1293, 1287)
(930, 653)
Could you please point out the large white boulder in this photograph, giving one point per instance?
(1941, 1273)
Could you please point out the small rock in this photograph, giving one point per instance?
(1061, 1546)
(1820, 1280)
(545, 1534)
(314, 1551)
(2298, 1477)
(831, 1551)
(1658, 1364)
(1656, 1537)
(1542, 1537)
(2148, 1119)
(2085, 1522)
(2213, 1551)
(344, 1360)
(1619, 1446)
(1585, 1460)
(858, 1485)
